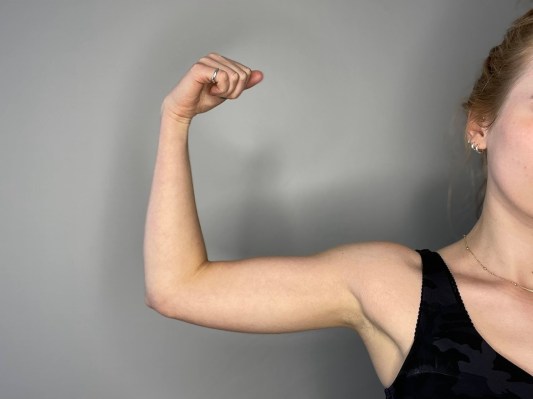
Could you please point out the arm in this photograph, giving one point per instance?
(173, 247)
(275, 294)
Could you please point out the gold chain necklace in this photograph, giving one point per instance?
(488, 271)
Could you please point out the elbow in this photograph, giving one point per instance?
(168, 296)
(150, 300)
(160, 302)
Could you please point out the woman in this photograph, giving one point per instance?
(466, 334)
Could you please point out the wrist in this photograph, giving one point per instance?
(171, 117)
(168, 114)
(173, 128)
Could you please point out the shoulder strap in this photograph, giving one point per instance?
(441, 309)
(442, 313)
(438, 286)
(440, 317)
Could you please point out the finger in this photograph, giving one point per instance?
(255, 78)
(226, 79)
(238, 74)
(240, 67)
(204, 74)
(222, 85)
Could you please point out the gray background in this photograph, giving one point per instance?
(355, 134)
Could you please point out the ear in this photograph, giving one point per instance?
(476, 131)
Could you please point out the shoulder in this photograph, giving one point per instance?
(384, 267)
(376, 261)
(383, 276)
(386, 278)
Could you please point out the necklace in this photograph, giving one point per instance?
(488, 271)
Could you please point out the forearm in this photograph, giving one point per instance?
(174, 248)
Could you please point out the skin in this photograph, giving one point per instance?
(372, 288)
(502, 238)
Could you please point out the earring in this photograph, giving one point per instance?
(475, 147)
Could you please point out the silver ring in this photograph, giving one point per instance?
(215, 72)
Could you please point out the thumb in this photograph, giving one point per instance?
(255, 78)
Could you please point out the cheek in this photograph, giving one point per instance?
(510, 153)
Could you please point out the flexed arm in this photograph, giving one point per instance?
(174, 248)
(270, 294)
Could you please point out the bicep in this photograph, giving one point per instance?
(276, 294)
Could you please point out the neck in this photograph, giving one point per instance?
(503, 242)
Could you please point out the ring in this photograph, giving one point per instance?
(215, 72)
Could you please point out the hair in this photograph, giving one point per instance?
(504, 65)
(501, 69)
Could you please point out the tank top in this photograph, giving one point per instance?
(449, 358)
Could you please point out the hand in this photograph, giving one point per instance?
(196, 93)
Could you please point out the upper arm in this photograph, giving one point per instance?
(282, 294)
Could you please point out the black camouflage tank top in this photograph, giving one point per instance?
(449, 358)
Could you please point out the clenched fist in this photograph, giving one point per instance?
(208, 83)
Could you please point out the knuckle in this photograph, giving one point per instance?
(213, 55)
(203, 60)
(196, 66)
(223, 82)
(223, 76)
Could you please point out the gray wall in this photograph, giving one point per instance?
(351, 136)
